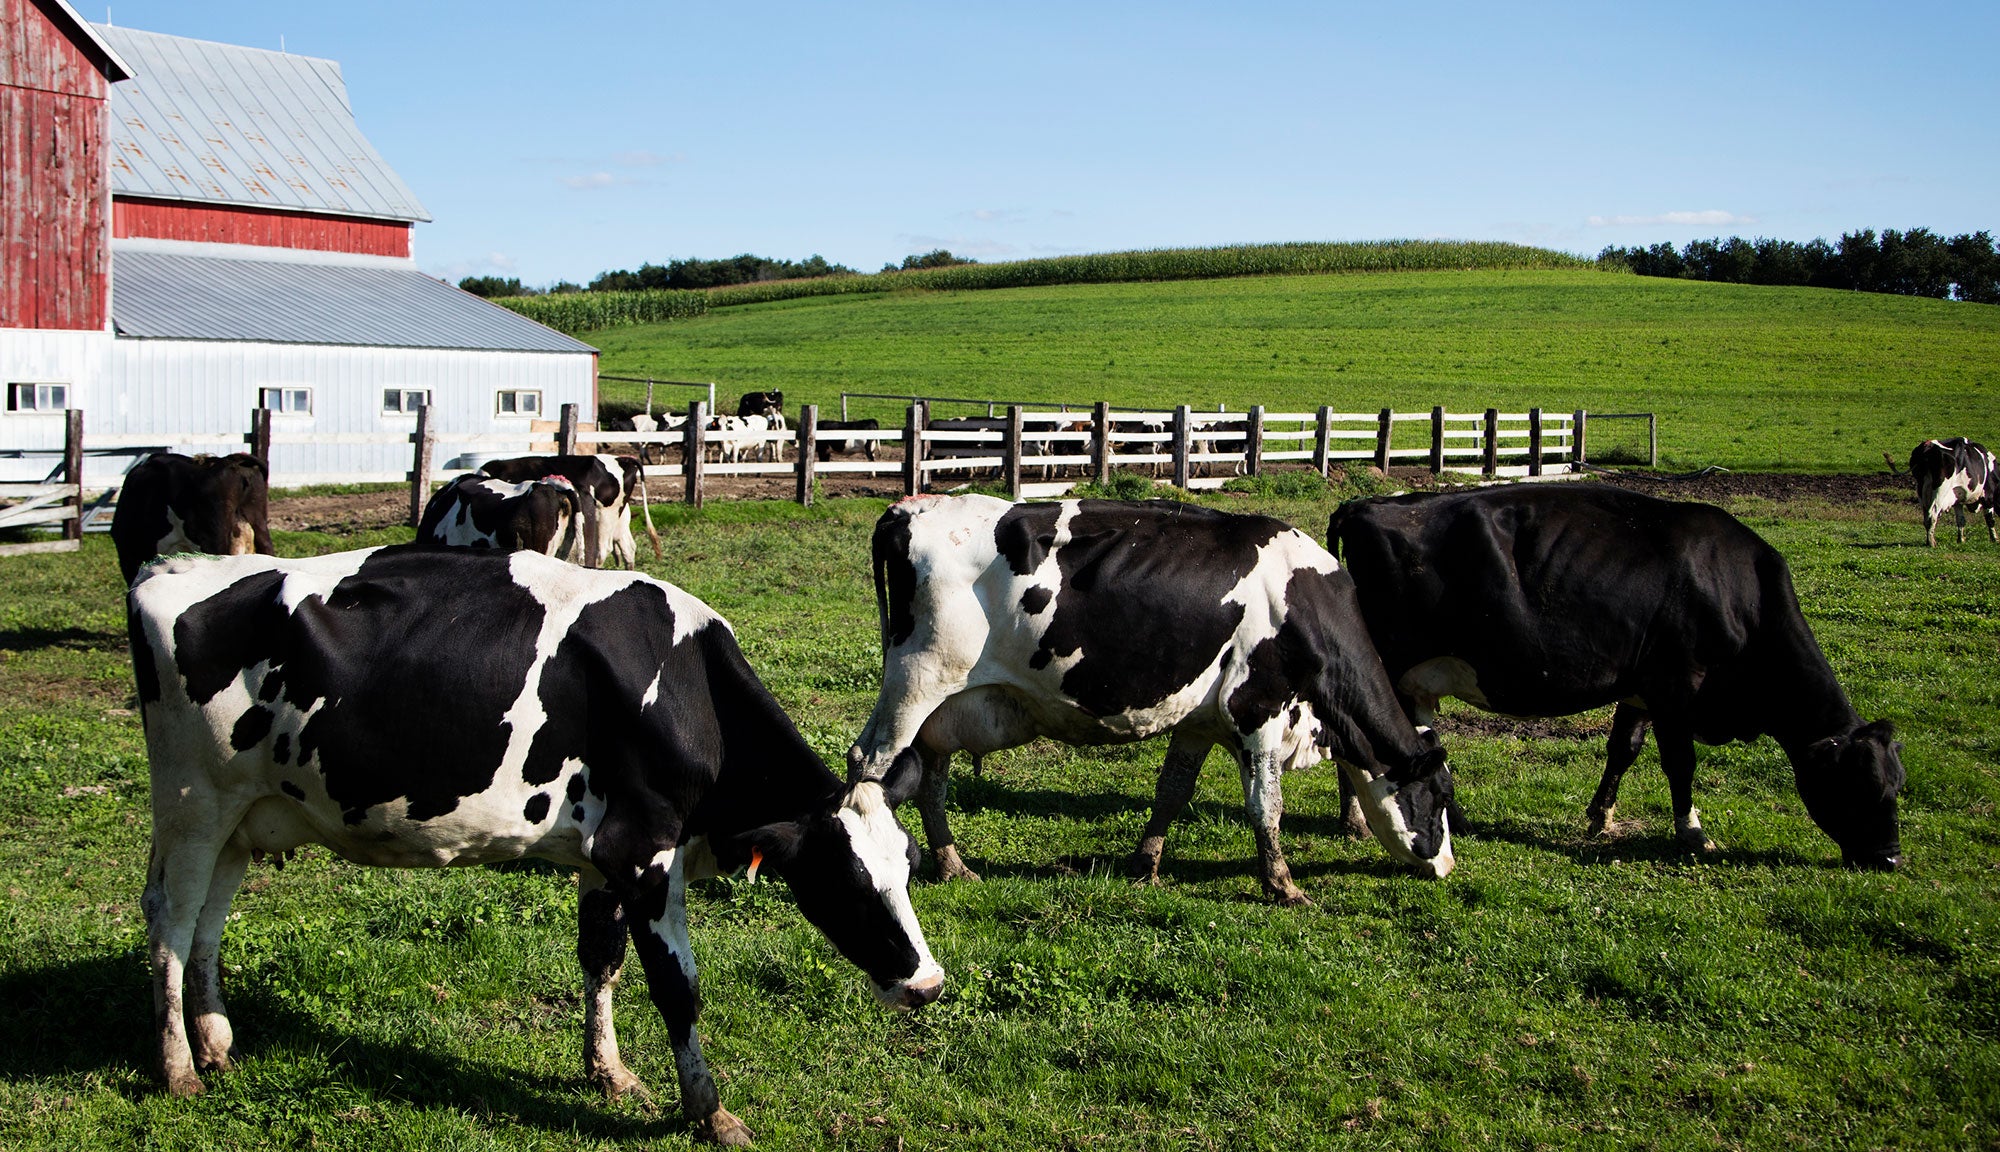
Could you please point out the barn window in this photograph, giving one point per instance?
(519, 403)
(295, 401)
(37, 397)
(404, 401)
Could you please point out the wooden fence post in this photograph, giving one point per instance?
(566, 432)
(420, 467)
(73, 472)
(1012, 466)
(1437, 439)
(808, 451)
(694, 450)
(913, 450)
(1181, 426)
(1385, 428)
(1577, 455)
(1652, 439)
(1323, 441)
(1534, 441)
(1253, 437)
(1489, 464)
(260, 437)
(1100, 441)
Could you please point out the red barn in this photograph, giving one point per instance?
(195, 229)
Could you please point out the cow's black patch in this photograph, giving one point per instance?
(281, 748)
(537, 808)
(895, 578)
(576, 813)
(1025, 534)
(251, 728)
(238, 628)
(292, 790)
(1035, 599)
(1142, 597)
(145, 674)
(575, 697)
(1040, 659)
(406, 630)
(1264, 690)
(575, 789)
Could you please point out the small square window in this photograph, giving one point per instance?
(37, 397)
(518, 403)
(404, 401)
(291, 401)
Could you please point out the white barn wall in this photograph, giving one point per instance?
(165, 387)
(45, 356)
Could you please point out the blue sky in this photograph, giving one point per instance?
(553, 142)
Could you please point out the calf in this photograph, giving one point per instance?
(1546, 601)
(613, 480)
(1954, 475)
(172, 503)
(422, 709)
(1098, 622)
(547, 516)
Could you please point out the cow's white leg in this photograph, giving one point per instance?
(177, 882)
(1934, 510)
(937, 829)
(657, 906)
(1264, 799)
(1178, 774)
(600, 949)
(214, 1043)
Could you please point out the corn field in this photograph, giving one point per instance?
(581, 311)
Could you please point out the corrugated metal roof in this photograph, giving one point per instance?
(177, 297)
(222, 123)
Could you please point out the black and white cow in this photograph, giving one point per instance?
(412, 708)
(172, 503)
(614, 480)
(548, 516)
(761, 404)
(828, 438)
(1954, 475)
(1546, 601)
(1099, 622)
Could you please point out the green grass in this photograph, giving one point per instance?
(1554, 992)
(1742, 376)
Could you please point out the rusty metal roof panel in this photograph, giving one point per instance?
(170, 296)
(220, 123)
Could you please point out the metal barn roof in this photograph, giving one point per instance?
(179, 297)
(221, 123)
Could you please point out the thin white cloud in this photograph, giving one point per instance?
(646, 159)
(490, 264)
(1707, 218)
(594, 180)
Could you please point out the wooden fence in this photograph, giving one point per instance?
(1193, 449)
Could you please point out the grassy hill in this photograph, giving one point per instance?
(1746, 377)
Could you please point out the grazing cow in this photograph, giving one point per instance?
(1546, 601)
(1954, 475)
(547, 516)
(613, 480)
(422, 709)
(173, 503)
(761, 404)
(828, 439)
(1099, 622)
(738, 437)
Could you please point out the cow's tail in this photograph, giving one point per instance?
(646, 511)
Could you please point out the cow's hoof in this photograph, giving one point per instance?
(223, 1063)
(619, 1084)
(1143, 869)
(725, 1129)
(1602, 826)
(950, 867)
(1291, 896)
(1695, 840)
(187, 1084)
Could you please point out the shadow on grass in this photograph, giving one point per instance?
(95, 1015)
(1633, 848)
(989, 794)
(73, 638)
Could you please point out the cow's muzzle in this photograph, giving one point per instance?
(1873, 861)
(921, 989)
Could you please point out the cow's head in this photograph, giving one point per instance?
(849, 868)
(1406, 809)
(1849, 784)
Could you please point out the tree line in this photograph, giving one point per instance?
(1918, 262)
(698, 274)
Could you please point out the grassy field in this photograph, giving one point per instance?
(1555, 992)
(1745, 377)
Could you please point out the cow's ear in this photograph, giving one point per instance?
(768, 846)
(900, 782)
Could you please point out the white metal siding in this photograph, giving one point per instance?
(78, 359)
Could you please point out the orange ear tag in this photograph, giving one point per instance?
(756, 861)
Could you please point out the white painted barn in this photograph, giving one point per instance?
(260, 256)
